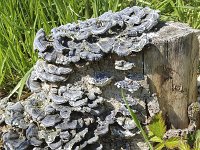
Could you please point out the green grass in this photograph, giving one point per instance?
(20, 20)
(136, 121)
(187, 11)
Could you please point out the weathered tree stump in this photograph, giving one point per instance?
(171, 66)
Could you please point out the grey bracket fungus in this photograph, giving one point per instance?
(74, 107)
(106, 44)
(123, 65)
(50, 72)
(40, 42)
(58, 99)
(32, 135)
(50, 120)
(12, 140)
(100, 79)
(128, 84)
(131, 22)
(32, 83)
(73, 95)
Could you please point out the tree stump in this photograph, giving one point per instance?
(77, 101)
(171, 64)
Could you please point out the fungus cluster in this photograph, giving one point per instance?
(121, 32)
(69, 108)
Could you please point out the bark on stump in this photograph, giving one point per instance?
(171, 65)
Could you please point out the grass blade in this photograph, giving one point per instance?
(19, 87)
(137, 122)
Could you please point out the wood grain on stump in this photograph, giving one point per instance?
(171, 64)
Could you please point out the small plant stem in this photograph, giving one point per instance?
(136, 121)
